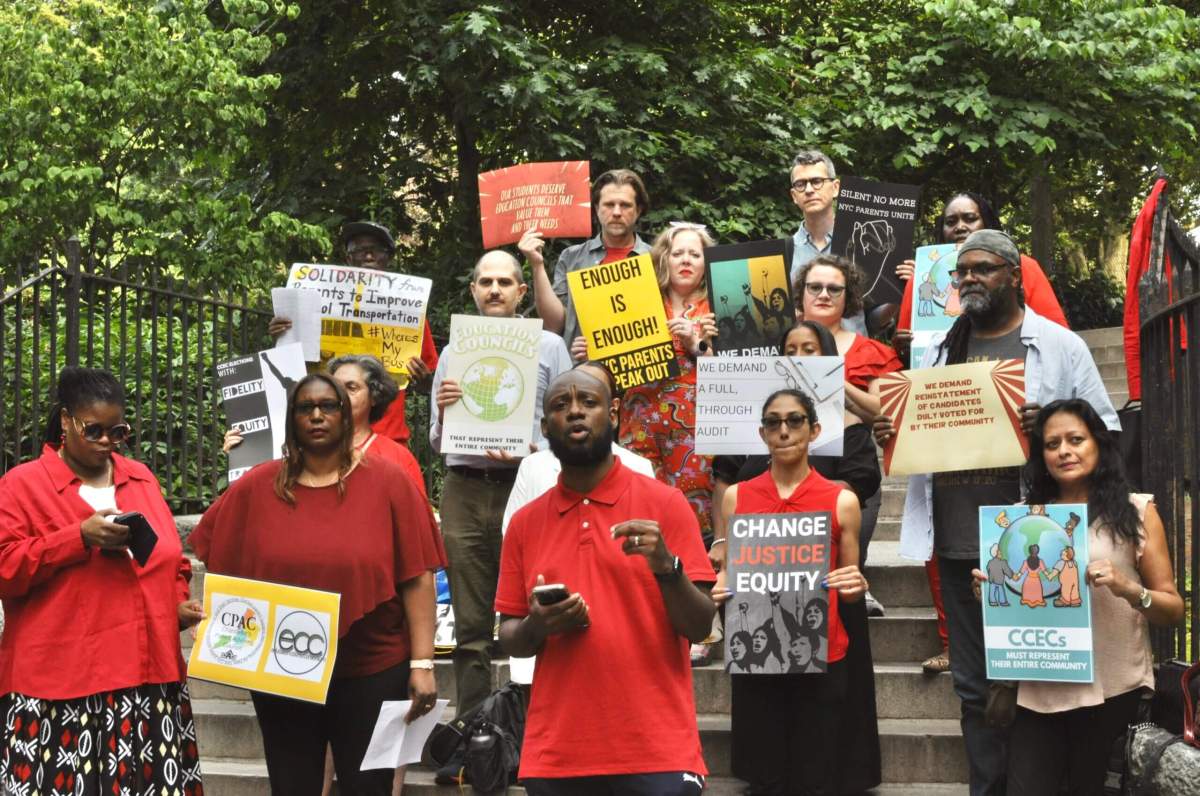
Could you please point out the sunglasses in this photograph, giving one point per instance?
(794, 422)
(816, 288)
(980, 272)
(327, 407)
(94, 432)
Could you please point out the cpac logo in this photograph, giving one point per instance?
(301, 643)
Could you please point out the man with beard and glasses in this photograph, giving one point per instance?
(612, 709)
(475, 492)
(941, 511)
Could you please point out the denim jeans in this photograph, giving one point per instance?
(987, 747)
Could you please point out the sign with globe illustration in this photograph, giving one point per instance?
(495, 362)
(1037, 613)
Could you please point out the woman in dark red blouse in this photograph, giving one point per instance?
(325, 517)
(785, 726)
(94, 699)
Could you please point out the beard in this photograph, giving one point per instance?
(594, 452)
(986, 304)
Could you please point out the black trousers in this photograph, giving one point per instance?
(785, 731)
(1048, 751)
(295, 734)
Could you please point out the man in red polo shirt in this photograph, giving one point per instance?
(612, 710)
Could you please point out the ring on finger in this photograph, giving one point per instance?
(637, 541)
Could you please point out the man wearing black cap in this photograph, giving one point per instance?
(370, 245)
(941, 511)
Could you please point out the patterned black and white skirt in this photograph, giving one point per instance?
(132, 742)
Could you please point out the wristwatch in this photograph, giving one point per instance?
(421, 663)
(1145, 598)
(673, 575)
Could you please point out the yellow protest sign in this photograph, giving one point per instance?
(956, 417)
(266, 637)
(367, 311)
(621, 315)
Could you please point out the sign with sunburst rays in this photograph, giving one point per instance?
(957, 417)
(553, 198)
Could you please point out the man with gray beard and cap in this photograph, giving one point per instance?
(475, 492)
(941, 511)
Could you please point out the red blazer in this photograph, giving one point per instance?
(79, 621)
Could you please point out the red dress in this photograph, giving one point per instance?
(867, 360)
(658, 421)
(382, 447)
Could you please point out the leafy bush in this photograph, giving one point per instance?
(1093, 300)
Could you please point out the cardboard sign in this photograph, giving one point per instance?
(266, 637)
(254, 392)
(621, 315)
(554, 198)
(750, 293)
(495, 361)
(1037, 613)
(730, 392)
(935, 300)
(873, 228)
(367, 311)
(956, 417)
(778, 619)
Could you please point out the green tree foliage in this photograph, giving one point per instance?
(125, 123)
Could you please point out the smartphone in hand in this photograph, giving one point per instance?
(550, 593)
(142, 537)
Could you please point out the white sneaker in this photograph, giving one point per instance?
(874, 607)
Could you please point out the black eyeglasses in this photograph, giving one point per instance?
(794, 422)
(327, 407)
(980, 272)
(817, 183)
(94, 432)
(816, 288)
(363, 251)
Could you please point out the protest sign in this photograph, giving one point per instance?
(495, 362)
(266, 637)
(956, 417)
(873, 228)
(365, 311)
(303, 309)
(778, 621)
(935, 300)
(749, 292)
(395, 742)
(621, 316)
(254, 391)
(1037, 613)
(730, 392)
(553, 198)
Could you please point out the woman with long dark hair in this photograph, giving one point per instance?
(325, 517)
(786, 726)
(1063, 732)
(95, 697)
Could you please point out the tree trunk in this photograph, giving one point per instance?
(1041, 212)
(467, 150)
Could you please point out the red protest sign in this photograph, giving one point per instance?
(552, 197)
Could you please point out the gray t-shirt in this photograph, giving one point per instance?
(958, 495)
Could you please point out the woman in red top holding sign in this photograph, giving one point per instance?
(785, 726)
(95, 700)
(658, 419)
(326, 517)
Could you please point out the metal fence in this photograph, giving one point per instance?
(1169, 300)
(153, 332)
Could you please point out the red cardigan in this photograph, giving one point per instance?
(79, 621)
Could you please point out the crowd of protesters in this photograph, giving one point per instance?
(613, 502)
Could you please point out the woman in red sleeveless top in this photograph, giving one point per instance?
(785, 726)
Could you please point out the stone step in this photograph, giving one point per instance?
(1108, 353)
(887, 529)
(231, 777)
(904, 635)
(892, 504)
(1108, 336)
(896, 582)
(1111, 370)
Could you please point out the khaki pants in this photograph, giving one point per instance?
(472, 510)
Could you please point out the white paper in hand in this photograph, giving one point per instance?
(303, 309)
(394, 743)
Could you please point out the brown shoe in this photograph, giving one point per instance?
(938, 663)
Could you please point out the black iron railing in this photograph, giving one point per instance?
(153, 332)
(1169, 300)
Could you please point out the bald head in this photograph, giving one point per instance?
(580, 379)
(497, 284)
(498, 259)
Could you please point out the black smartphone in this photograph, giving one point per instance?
(550, 594)
(142, 537)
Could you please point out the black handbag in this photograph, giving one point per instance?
(1159, 762)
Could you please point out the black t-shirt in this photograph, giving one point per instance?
(958, 495)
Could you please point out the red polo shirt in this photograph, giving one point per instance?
(79, 621)
(616, 697)
(393, 424)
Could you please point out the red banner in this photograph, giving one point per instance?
(554, 198)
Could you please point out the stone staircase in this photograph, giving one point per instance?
(918, 713)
